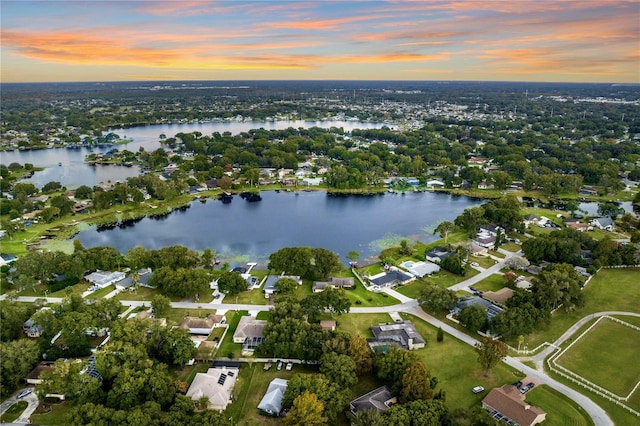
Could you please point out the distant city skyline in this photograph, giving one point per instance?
(546, 41)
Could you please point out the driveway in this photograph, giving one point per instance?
(31, 399)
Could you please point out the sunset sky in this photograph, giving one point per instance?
(575, 41)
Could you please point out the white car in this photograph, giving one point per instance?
(289, 366)
(475, 264)
(24, 392)
(477, 389)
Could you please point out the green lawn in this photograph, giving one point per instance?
(227, 347)
(485, 262)
(608, 290)
(140, 293)
(493, 282)
(455, 365)
(619, 415)
(252, 297)
(512, 247)
(57, 415)
(605, 367)
(561, 411)
(360, 323)
(99, 294)
(176, 315)
(250, 387)
(14, 412)
(360, 296)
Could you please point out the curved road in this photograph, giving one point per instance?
(408, 305)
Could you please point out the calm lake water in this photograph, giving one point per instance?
(67, 166)
(245, 231)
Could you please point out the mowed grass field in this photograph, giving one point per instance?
(561, 411)
(607, 356)
(608, 290)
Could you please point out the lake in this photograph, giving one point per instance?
(250, 231)
(67, 166)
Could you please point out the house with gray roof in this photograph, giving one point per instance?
(463, 302)
(333, 282)
(402, 334)
(436, 254)
(378, 399)
(271, 280)
(216, 385)
(271, 402)
(605, 223)
(390, 278)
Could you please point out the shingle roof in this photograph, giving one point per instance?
(508, 401)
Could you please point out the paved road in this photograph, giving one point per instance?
(31, 399)
(597, 414)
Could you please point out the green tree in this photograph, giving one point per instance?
(417, 413)
(490, 351)
(306, 411)
(160, 305)
(473, 318)
(360, 353)
(17, 358)
(339, 369)
(558, 284)
(436, 299)
(368, 417)
(208, 257)
(392, 366)
(353, 256)
(445, 228)
(67, 378)
(440, 336)
(231, 283)
(416, 383)
(286, 285)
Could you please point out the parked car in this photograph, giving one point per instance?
(475, 264)
(477, 389)
(518, 384)
(289, 366)
(279, 365)
(24, 392)
(526, 388)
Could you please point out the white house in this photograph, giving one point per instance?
(216, 384)
(605, 223)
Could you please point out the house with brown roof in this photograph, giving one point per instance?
(328, 325)
(501, 296)
(508, 404)
(202, 326)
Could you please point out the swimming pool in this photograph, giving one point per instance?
(408, 264)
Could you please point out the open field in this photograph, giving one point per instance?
(455, 365)
(612, 369)
(493, 282)
(561, 411)
(608, 290)
(360, 323)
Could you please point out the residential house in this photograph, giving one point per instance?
(485, 185)
(605, 223)
(463, 302)
(250, 332)
(501, 296)
(434, 183)
(271, 280)
(378, 399)
(328, 325)
(436, 254)
(508, 404)
(420, 269)
(402, 334)
(487, 234)
(333, 282)
(103, 279)
(582, 227)
(33, 378)
(271, 402)
(530, 219)
(390, 278)
(216, 385)
(202, 326)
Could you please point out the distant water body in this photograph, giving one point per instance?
(250, 231)
(67, 166)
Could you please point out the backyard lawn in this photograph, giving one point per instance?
(560, 410)
(360, 323)
(99, 294)
(493, 282)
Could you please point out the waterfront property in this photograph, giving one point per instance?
(420, 269)
(333, 282)
(389, 279)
